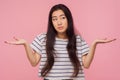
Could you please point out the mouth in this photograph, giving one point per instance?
(60, 27)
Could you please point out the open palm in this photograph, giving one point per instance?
(16, 42)
(104, 40)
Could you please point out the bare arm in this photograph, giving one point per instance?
(32, 56)
(87, 59)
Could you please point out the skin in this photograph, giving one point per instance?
(60, 23)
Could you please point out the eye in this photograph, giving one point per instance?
(63, 17)
(54, 19)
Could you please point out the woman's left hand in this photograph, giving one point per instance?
(97, 41)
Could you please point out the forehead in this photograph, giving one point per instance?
(58, 13)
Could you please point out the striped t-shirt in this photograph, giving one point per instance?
(62, 68)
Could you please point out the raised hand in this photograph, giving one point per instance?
(16, 42)
(103, 40)
(87, 59)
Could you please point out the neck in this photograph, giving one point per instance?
(62, 35)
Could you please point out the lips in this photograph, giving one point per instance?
(60, 28)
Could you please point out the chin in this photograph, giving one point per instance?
(61, 31)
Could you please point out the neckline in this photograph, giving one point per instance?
(61, 39)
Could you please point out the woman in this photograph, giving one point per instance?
(62, 54)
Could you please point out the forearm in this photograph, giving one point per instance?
(89, 57)
(30, 54)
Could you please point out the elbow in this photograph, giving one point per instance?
(33, 64)
(86, 66)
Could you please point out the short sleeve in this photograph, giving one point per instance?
(38, 43)
(82, 45)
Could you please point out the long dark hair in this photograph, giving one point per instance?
(71, 46)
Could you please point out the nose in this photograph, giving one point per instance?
(59, 22)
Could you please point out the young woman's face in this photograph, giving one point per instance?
(59, 21)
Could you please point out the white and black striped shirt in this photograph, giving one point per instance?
(62, 68)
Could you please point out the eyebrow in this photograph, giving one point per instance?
(60, 15)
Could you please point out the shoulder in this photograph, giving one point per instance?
(41, 37)
(78, 37)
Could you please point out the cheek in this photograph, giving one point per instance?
(54, 24)
(66, 24)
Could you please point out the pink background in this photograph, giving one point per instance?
(27, 18)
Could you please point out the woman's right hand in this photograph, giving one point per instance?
(33, 58)
(17, 41)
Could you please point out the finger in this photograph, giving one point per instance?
(15, 38)
(114, 39)
(5, 42)
(111, 40)
(8, 42)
